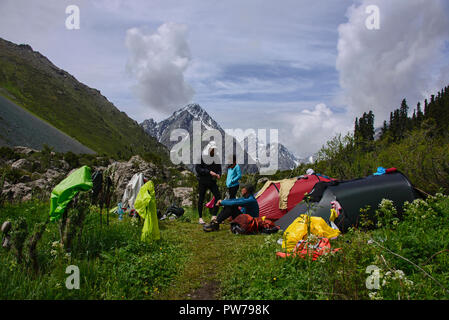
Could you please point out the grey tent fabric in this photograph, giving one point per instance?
(354, 195)
(322, 208)
(292, 215)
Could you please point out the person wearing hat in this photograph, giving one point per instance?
(207, 175)
(247, 203)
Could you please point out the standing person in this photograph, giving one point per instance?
(233, 178)
(207, 175)
(247, 203)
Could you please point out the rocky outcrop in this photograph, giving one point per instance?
(25, 150)
(22, 164)
(19, 191)
(165, 197)
(42, 184)
(34, 183)
(122, 172)
(184, 194)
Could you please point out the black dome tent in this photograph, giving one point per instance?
(354, 195)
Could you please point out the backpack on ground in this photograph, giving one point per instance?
(245, 224)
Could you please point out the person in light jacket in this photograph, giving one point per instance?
(233, 178)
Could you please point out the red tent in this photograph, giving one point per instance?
(269, 200)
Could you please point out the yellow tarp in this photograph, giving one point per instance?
(285, 186)
(298, 231)
(145, 205)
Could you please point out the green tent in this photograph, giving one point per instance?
(67, 189)
(145, 205)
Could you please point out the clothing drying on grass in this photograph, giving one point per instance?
(132, 190)
(67, 189)
(145, 205)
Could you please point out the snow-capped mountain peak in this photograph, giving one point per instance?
(184, 117)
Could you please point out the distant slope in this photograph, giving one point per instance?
(19, 127)
(81, 112)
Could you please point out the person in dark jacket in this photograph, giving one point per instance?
(207, 175)
(248, 204)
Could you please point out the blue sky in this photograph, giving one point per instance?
(307, 68)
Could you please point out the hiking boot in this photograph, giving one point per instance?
(212, 226)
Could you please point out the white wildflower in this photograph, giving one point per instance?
(399, 274)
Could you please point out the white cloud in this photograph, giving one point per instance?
(378, 68)
(158, 62)
(310, 129)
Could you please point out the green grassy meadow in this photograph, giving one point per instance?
(411, 254)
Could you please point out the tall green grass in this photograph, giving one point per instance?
(113, 262)
(412, 256)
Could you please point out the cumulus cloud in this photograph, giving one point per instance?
(158, 62)
(310, 129)
(403, 59)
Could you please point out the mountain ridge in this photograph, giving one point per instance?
(57, 97)
(183, 117)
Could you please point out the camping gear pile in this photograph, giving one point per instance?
(299, 229)
(246, 224)
(325, 207)
(306, 248)
(173, 212)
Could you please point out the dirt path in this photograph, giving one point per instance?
(209, 255)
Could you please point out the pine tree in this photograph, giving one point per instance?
(419, 114)
(426, 108)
